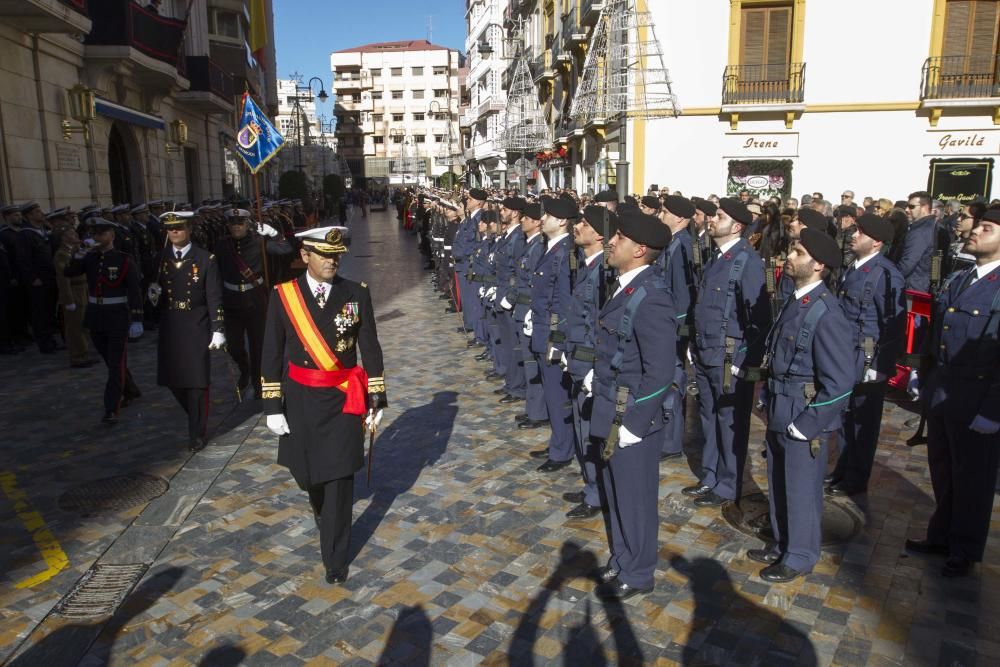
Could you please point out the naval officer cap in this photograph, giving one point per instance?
(121, 208)
(237, 215)
(707, 206)
(606, 196)
(478, 194)
(876, 227)
(100, 224)
(141, 208)
(325, 241)
(175, 219)
(533, 211)
(58, 213)
(813, 219)
(821, 247)
(29, 206)
(595, 217)
(644, 229)
(736, 210)
(9, 208)
(514, 203)
(679, 206)
(560, 208)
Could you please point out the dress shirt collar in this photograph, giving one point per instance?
(513, 228)
(184, 251)
(589, 261)
(986, 269)
(858, 263)
(627, 277)
(728, 245)
(553, 242)
(532, 236)
(313, 283)
(802, 291)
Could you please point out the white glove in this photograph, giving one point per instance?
(505, 304)
(69, 307)
(491, 294)
(563, 362)
(373, 418)
(872, 375)
(913, 385)
(626, 438)
(135, 330)
(482, 291)
(153, 293)
(277, 424)
(735, 370)
(268, 230)
(985, 426)
(527, 324)
(795, 433)
(588, 382)
(218, 341)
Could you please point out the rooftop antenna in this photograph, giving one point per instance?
(430, 28)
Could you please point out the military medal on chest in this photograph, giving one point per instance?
(194, 273)
(112, 273)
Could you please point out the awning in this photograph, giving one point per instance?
(127, 115)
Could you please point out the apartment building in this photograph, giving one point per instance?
(157, 92)
(488, 57)
(396, 109)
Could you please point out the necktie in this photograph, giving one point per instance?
(321, 294)
(179, 255)
(617, 286)
(969, 279)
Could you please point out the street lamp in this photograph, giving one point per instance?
(321, 96)
(178, 136)
(82, 109)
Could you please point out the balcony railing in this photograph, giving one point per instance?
(206, 75)
(541, 66)
(78, 5)
(572, 32)
(782, 83)
(960, 77)
(590, 10)
(125, 23)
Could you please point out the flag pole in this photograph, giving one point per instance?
(260, 225)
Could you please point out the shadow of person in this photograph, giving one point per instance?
(415, 440)
(226, 655)
(70, 643)
(409, 641)
(764, 637)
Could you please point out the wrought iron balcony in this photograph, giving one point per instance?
(780, 83)
(960, 77)
(573, 33)
(125, 23)
(541, 67)
(43, 16)
(206, 75)
(590, 10)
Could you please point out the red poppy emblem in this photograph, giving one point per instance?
(805, 299)
(728, 256)
(993, 276)
(628, 291)
(865, 269)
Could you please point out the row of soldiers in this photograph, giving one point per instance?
(602, 321)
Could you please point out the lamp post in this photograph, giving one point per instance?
(299, 96)
(82, 109)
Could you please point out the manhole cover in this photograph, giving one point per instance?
(100, 591)
(752, 517)
(391, 315)
(113, 493)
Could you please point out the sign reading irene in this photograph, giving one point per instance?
(763, 144)
(963, 142)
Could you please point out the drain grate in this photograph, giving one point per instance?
(391, 315)
(100, 591)
(752, 517)
(113, 493)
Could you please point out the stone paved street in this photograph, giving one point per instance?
(463, 555)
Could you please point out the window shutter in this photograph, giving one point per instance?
(779, 38)
(982, 45)
(753, 41)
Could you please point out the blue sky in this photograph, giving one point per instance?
(306, 31)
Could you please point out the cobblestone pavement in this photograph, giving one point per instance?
(463, 555)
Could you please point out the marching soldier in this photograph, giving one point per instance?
(124, 238)
(962, 402)
(73, 299)
(874, 302)
(807, 385)
(114, 312)
(189, 293)
(242, 257)
(636, 344)
(316, 400)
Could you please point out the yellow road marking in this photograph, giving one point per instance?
(53, 555)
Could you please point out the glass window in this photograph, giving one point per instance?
(397, 118)
(376, 94)
(397, 139)
(227, 24)
(378, 139)
(440, 70)
(396, 71)
(375, 71)
(397, 94)
(439, 138)
(418, 116)
(418, 94)
(418, 71)
(441, 92)
(377, 117)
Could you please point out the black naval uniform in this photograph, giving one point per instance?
(244, 298)
(190, 312)
(114, 301)
(325, 445)
(34, 263)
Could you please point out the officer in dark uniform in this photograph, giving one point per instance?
(447, 278)
(189, 293)
(874, 302)
(241, 258)
(508, 249)
(730, 318)
(37, 273)
(636, 344)
(535, 413)
(462, 248)
(962, 401)
(807, 387)
(705, 213)
(114, 311)
(15, 312)
(315, 395)
(124, 237)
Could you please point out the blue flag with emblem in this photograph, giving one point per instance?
(257, 141)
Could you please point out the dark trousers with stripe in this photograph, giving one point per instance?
(113, 349)
(332, 502)
(194, 400)
(246, 325)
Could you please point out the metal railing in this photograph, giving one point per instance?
(960, 77)
(572, 31)
(78, 5)
(205, 74)
(125, 23)
(779, 83)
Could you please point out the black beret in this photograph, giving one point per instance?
(821, 247)
(649, 201)
(476, 193)
(992, 215)
(679, 206)
(644, 229)
(560, 208)
(736, 210)
(514, 203)
(533, 211)
(632, 201)
(850, 211)
(628, 208)
(876, 227)
(606, 195)
(813, 219)
(595, 217)
(707, 206)
(567, 196)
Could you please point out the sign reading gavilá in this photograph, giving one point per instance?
(962, 142)
(760, 144)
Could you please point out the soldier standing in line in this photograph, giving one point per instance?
(189, 293)
(38, 275)
(114, 311)
(73, 299)
(508, 250)
(462, 248)
(17, 305)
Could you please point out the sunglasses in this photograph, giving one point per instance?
(912, 206)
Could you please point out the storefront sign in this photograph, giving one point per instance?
(961, 179)
(764, 144)
(762, 178)
(963, 142)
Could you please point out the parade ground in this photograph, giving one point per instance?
(120, 547)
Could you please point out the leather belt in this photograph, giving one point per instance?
(107, 300)
(243, 287)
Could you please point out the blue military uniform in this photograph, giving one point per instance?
(534, 398)
(462, 247)
(478, 271)
(505, 256)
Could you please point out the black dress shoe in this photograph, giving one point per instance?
(336, 576)
(696, 490)
(765, 556)
(832, 479)
(925, 547)
(453, 309)
(473, 343)
(956, 566)
(110, 419)
(461, 330)
(509, 399)
(541, 454)
(710, 499)
(197, 444)
(842, 490)
(530, 423)
(619, 590)
(500, 392)
(606, 574)
(521, 418)
(494, 376)
(779, 573)
(583, 511)
(482, 356)
(574, 497)
(670, 455)
(552, 466)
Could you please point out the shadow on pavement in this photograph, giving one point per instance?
(415, 440)
(226, 655)
(409, 641)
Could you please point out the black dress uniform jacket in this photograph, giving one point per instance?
(324, 443)
(110, 275)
